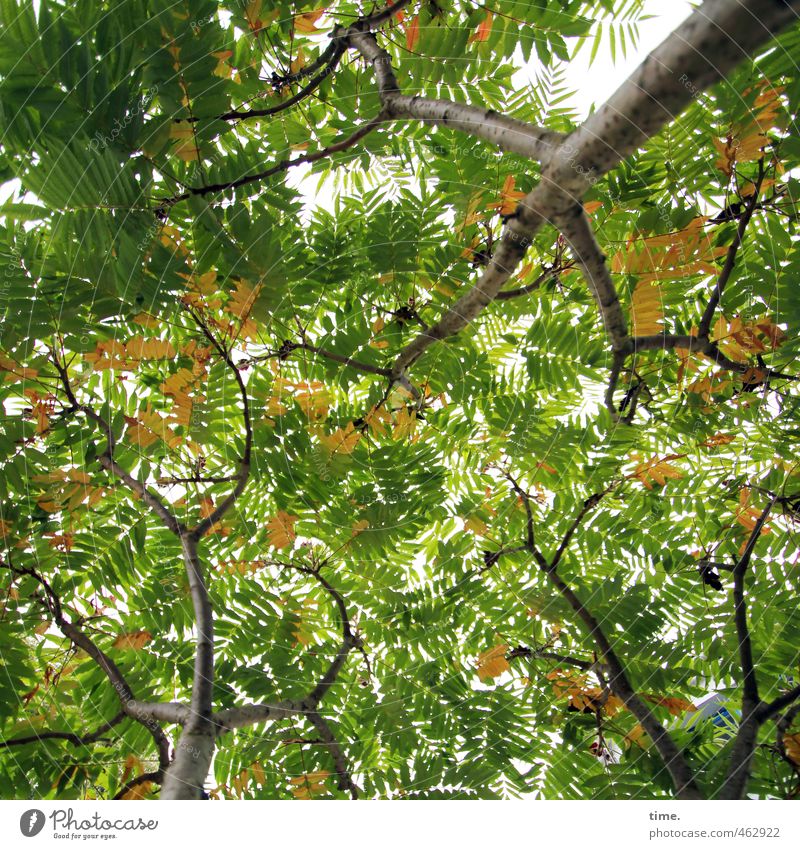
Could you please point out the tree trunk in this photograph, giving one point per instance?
(188, 772)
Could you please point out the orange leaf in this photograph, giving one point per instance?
(657, 470)
(412, 33)
(484, 29)
(305, 23)
(493, 663)
(281, 530)
(791, 742)
(134, 640)
(507, 204)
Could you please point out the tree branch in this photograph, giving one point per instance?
(674, 761)
(142, 712)
(744, 744)
(337, 358)
(703, 346)
(246, 715)
(576, 230)
(588, 505)
(69, 736)
(508, 294)
(705, 47)
(540, 654)
(283, 165)
(767, 711)
(750, 699)
(704, 327)
(507, 134)
(331, 743)
(154, 777)
(244, 464)
(107, 461)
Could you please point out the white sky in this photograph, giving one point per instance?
(596, 84)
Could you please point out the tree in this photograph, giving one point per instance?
(473, 481)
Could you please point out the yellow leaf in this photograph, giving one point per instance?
(476, 526)
(223, 69)
(342, 441)
(188, 151)
(493, 663)
(281, 531)
(378, 420)
(258, 773)
(747, 516)
(359, 527)
(673, 704)
(239, 305)
(139, 791)
(298, 63)
(718, 439)
(646, 313)
(308, 785)
(405, 424)
(181, 130)
(61, 541)
(133, 640)
(146, 320)
(657, 470)
(635, 735)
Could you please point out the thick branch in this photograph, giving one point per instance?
(710, 43)
(332, 745)
(704, 347)
(203, 681)
(577, 232)
(247, 715)
(505, 133)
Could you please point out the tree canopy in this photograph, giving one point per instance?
(373, 427)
